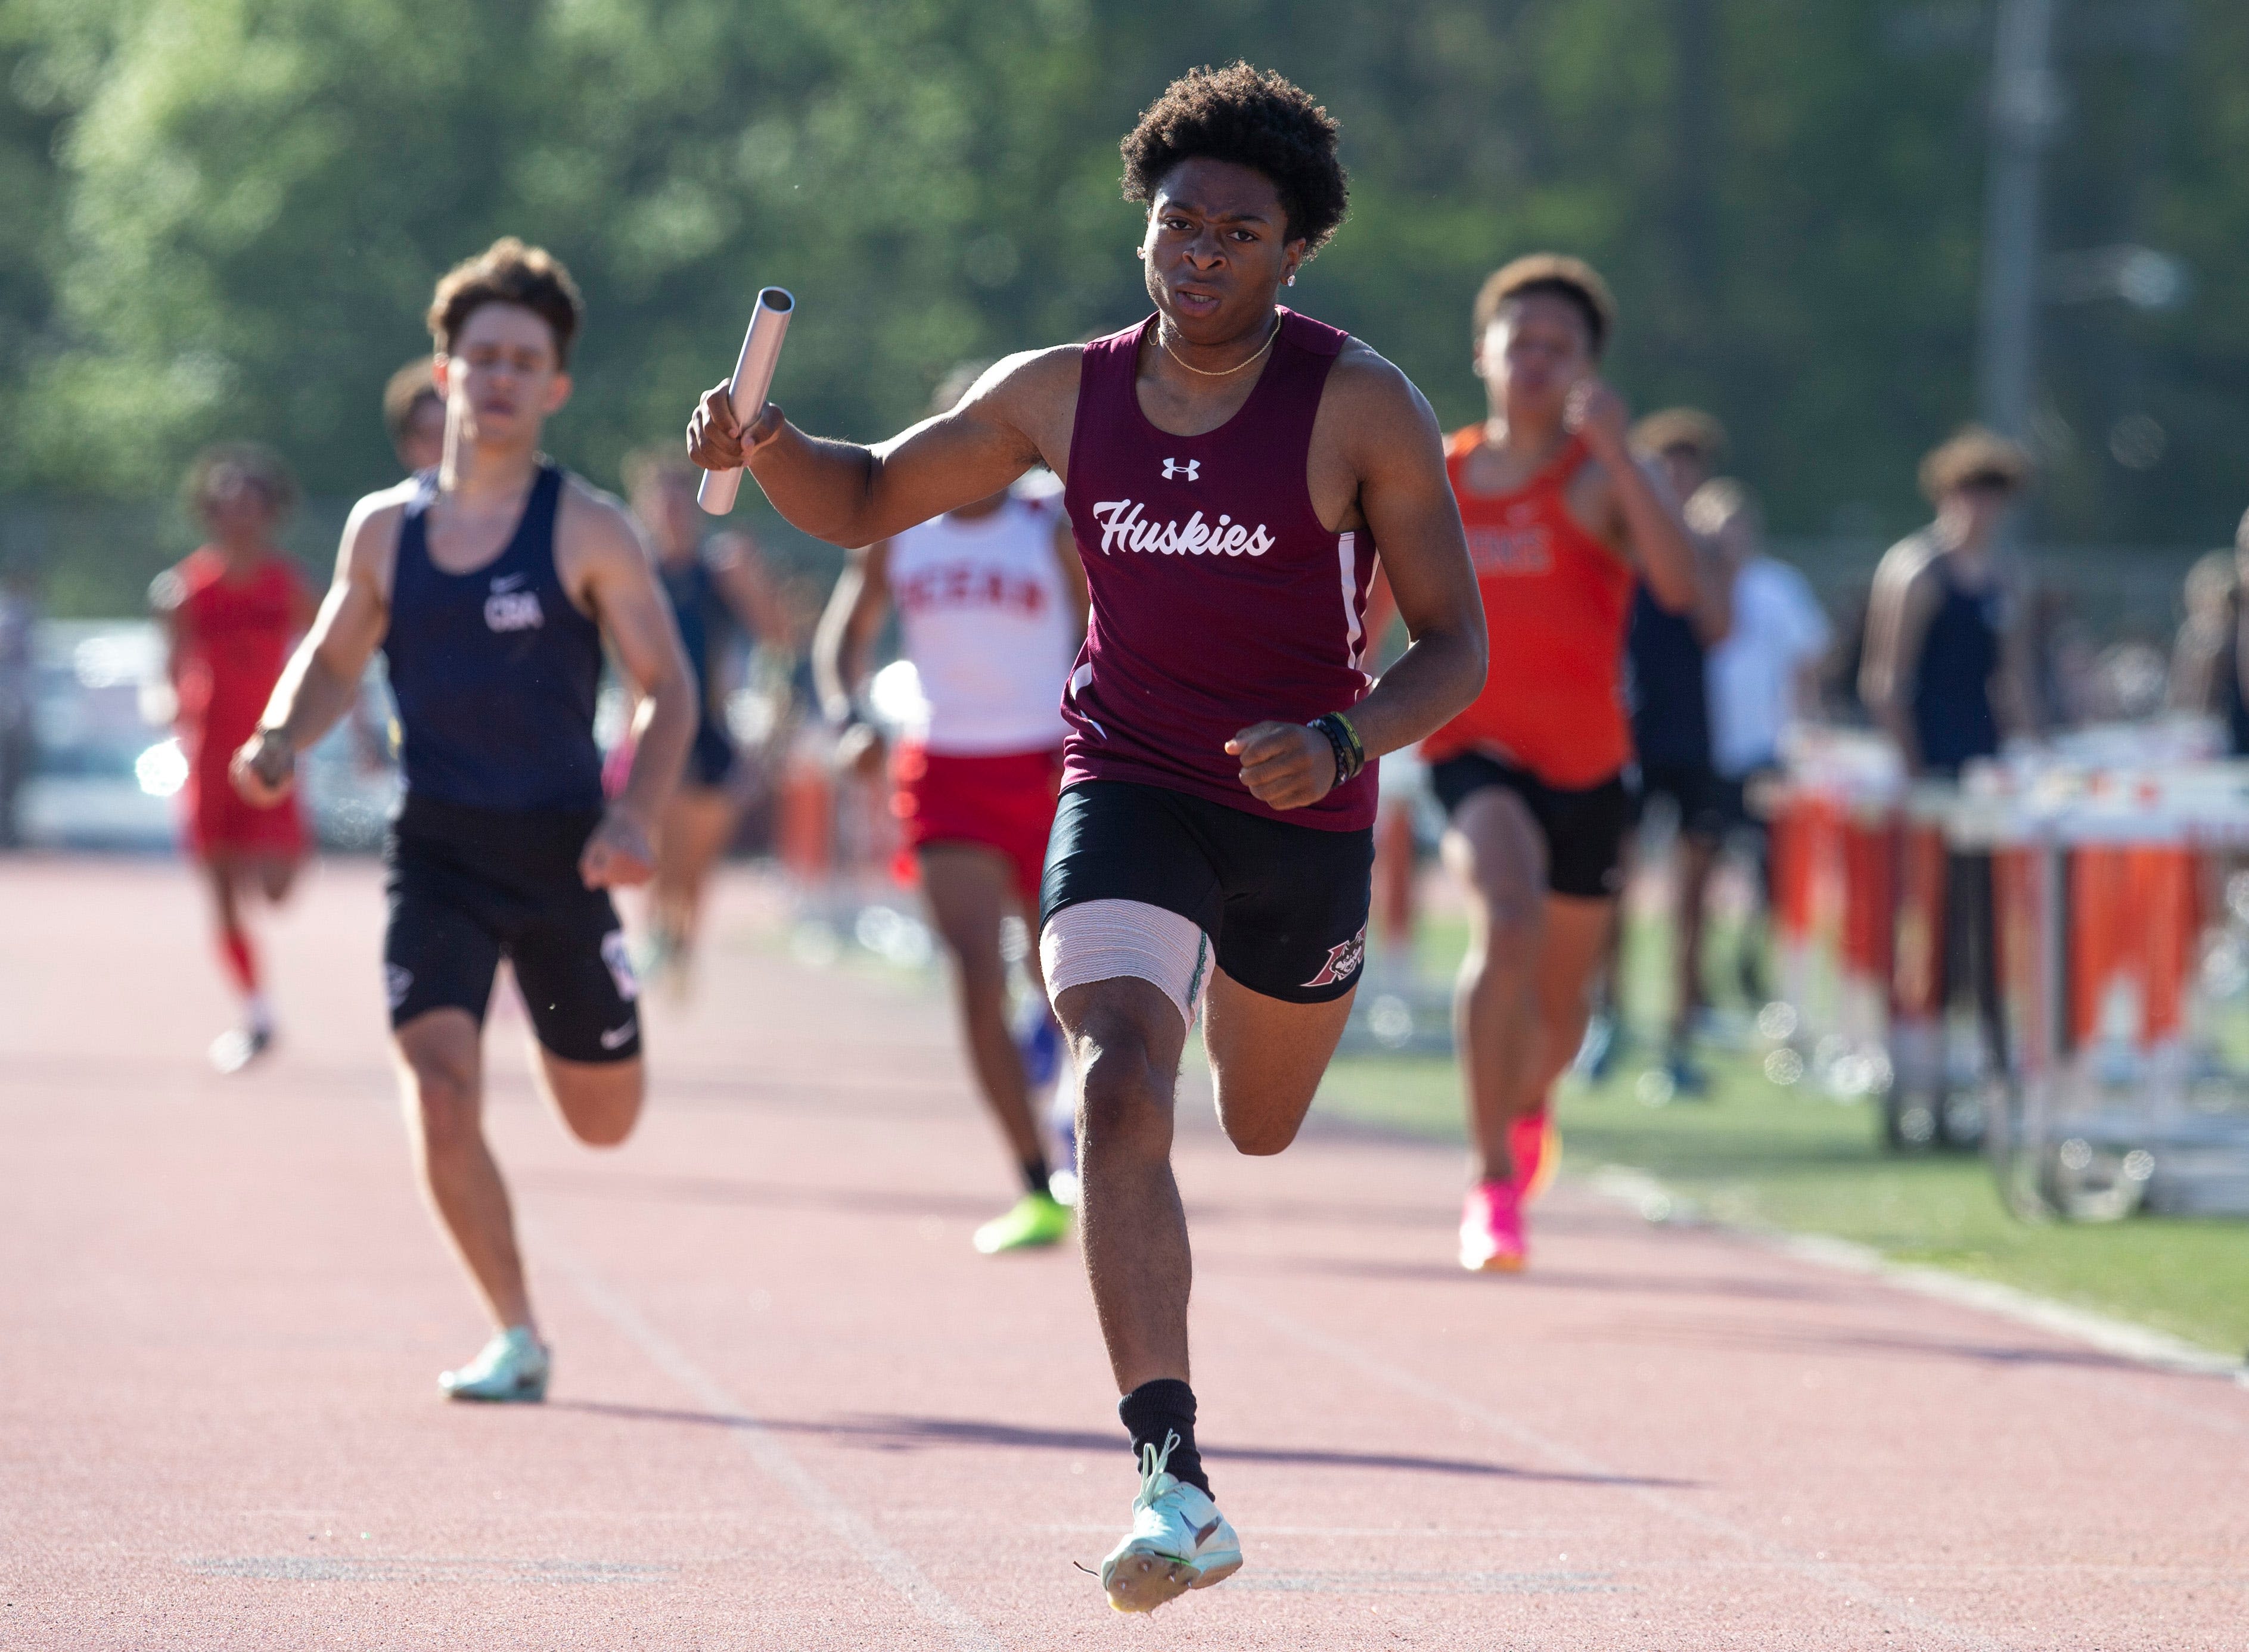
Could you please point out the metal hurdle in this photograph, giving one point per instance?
(2124, 960)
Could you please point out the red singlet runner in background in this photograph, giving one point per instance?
(1559, 518)
(229, 611)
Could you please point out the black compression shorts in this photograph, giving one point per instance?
(1285, 906)
(1583, 829)
(1694, 791)
(469, 887)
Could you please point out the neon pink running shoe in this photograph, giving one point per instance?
(1491, 1229)
(1536, 1146)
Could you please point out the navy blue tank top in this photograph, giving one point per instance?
(1952, 716)
(495, 672)
(1670, 695)
(2231, 706)
(695, 606)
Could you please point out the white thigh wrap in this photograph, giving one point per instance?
(1104, 939)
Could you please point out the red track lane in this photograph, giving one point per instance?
(794, 1409)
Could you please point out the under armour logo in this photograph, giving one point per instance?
(1174, 468)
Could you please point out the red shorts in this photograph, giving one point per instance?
(220, 820)
(1005, 801)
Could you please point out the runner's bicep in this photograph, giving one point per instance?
(944, 462)
(345, 631)
(349, 625)
(1407, 499)
(1411, 513)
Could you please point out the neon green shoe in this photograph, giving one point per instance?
(1037, 1219)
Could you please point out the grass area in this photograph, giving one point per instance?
(1756, 1154)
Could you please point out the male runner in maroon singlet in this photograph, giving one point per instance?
(1228, 467)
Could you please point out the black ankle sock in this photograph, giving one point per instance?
(1155, 1411)
(1035, 1175)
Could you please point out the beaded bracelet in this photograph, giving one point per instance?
(1350, 756)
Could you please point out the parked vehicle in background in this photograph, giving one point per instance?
(107, 770)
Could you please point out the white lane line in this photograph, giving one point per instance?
(1827, 1573)
(770, 1454)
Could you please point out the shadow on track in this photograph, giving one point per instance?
(895, 1433)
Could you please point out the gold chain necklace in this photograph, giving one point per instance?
(1224, 372)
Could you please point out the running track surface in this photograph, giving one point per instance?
(794, 1409)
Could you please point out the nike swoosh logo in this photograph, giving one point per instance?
(1203, 1536)
(507, 582)
(615, 1037)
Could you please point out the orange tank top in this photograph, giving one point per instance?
(1555, 603)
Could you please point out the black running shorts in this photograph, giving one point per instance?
(469, 887)
(1583, 829)
(1694, 791)
(1285, 906)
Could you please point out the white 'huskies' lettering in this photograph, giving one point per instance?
(1124, 529)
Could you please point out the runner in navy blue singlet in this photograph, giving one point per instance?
(719, 593)
(1229, 467)
(493, 584)
(1665, 654)
(1946, 669)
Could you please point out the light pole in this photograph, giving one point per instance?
(2025, 108)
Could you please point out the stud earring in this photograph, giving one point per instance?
(1292, 280)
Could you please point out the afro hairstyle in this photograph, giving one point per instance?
(1255, 119)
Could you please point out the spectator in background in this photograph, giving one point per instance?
(1668, 653)
(19, 624)
(414, 413)
(1948, 670)
(1763, 676)
(2205, 672)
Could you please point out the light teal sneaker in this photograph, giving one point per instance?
(1037, 1218)
(1179, 1541)
(513, 1366)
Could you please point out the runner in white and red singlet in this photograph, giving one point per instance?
(991, 602)
(1229, 467)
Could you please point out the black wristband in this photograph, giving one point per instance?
(1358, 745)
(1350, 757)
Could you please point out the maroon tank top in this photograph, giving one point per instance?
(1218, 598)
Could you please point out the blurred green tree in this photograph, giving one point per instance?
(233, 211)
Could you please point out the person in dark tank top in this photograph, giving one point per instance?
(1946, 670)
(720, 592)
(495, 583)
(1228, 467)
(1665, 655)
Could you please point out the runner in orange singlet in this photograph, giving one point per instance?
(1560, 517)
